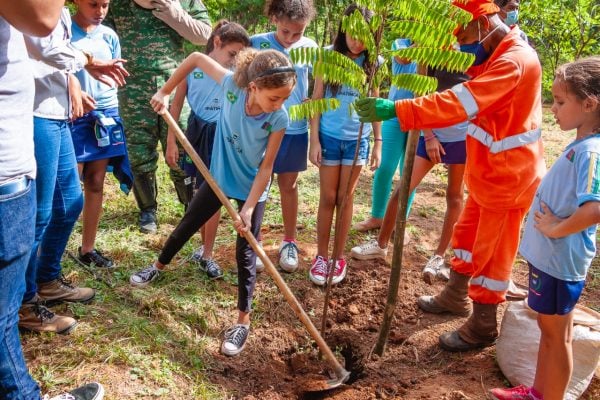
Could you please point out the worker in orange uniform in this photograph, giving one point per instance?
(504, 165)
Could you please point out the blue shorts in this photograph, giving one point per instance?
(292, 155)
(456, 152)
(341, 152)
(201, 135)
(549, 295)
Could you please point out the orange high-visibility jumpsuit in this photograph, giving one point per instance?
(504, 159)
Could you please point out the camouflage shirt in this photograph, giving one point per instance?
(147, 42)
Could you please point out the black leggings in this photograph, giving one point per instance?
(203, 206)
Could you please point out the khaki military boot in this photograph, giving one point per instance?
(35, 317)
(62, 290)
(453, 299)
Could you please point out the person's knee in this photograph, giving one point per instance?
(94, 183)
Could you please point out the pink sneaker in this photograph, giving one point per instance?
(318, 271)
(520, 392)
(340, 271)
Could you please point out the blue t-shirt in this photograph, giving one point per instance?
(397, 93)
(102, 43)
(573, 180)
(204, 95)
(343, 123)
(241, 141)
(265, 41)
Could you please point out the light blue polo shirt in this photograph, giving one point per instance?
(573, 180)
(241, 141)
(265, 41)
(397, 93)
(102, 43)
(204, 95)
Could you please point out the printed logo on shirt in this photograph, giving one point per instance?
(535, 283)
(234, 141)
(571, 155)
(231, 97)
(265, 45)
(267, 126)
(198, 75)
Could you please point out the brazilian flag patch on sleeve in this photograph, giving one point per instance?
(265, 45)
(198, 75)
(231, 97)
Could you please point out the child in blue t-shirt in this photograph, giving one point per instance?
(99, 135)
(250, 129)
(205, 97)
(559, 240)
(333, 141)
(290, 18)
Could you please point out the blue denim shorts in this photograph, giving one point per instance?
(549, 295)
(292, 155)
(341, 152)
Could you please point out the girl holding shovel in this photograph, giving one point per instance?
(250, 129)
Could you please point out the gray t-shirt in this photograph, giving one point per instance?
(16, 106)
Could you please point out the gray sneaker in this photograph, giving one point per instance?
(90, 391)
(197, 256)
(235, 340)
(211, 268)
(144, 277)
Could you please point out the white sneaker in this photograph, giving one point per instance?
(368, 251)
(432, 268)
(197, 256)
(288, 256)
(318, 271)
(260, 267)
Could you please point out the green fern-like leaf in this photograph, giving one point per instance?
(311, 108)
(334, 74)
(313, 55)
(418, 84)
(450, 60)
(424, 34)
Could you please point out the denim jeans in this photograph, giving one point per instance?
(59, 200)
(17, 217)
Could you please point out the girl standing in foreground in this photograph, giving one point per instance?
(98, 136)
(250, 129)
(559, 240)
(333, 140)
(205, 97)
(290, 18)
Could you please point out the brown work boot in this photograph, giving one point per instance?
(453, 299)
(61, 290)
(480, 330)
(35, 317)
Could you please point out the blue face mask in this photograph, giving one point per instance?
(476, 48)
(512, 17)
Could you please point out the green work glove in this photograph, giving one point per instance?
(371, 109)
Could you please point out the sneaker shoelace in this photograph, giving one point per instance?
(66, 282)
(339, 266)
(97, 258)
(147, 273)
(320, 267)
(236, 335)
(42, 312)
(292, 250)
(372, 244)
(211, 265)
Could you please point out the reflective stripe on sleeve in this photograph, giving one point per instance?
(466, 100)
(508, 143)
(464, 255)
(491, 284)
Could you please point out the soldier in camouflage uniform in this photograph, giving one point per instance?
(152, 34)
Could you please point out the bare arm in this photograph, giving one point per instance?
(260, 181)
(554, 227)
(32, 17)
(172, 153)
(160, 100)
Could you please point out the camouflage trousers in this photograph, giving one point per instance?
(145, 129)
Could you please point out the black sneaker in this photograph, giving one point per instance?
(90, 391)
(211, 268)
(235, 340)
(96, 258)
(144, 277)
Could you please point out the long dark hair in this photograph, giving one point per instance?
(294, 10)
(228, 32)
(340, 45)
